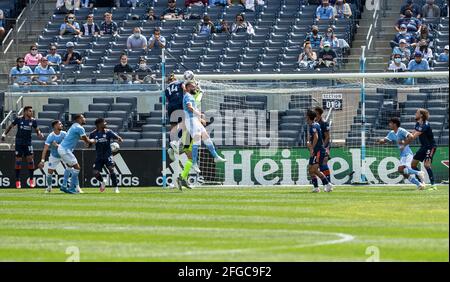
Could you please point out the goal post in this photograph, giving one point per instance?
(257, 123)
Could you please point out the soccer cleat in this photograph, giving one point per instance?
(31, 183)
(421, 186)
(18, 184)
(432, 188)
(48, 189)
(183, 183)
(328, 187)
(219, 159)
(102, 186)
(175, 146)
(171, 154)
(73, 191)
(316, 190)
(196, 168)
(79, 190)
(116, 190)
(421, 176)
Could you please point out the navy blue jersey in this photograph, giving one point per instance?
(426, 138)
(324, 128)
(315, 128)
(174, 95)
(24, 128)
(103, 142)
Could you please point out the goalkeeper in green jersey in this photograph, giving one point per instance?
(182, 180)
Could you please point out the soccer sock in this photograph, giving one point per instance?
(414, 180)
(113, 179)
(66, 177)
(326, 171)
(410, 171)
(99, 177)
(17, 173)
(18, 169)
(195, 153)
(314, 181)
(187, 168)
(49, 180)
(324, 180)
(31, 169)
(74, 179)
(430, 175)
(210, 145)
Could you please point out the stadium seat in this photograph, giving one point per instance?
(94, 114)
(53, 108)
(99, 107)
(49, 115)
(132, 100)
(147, 143)
(131, 135)
(63, 101)
(38, 144)
(151, 135)
(151, 128)
(44, 122)
(128, 143)
(127, 107)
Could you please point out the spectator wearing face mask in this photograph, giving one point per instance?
(33, 58)
(424, 34)
(397, 65)
(330, 37)
(422, 47)
(206, 26)
(402, 34)
(54, 59)
(20, 74)
(241, 25)
(342, 10)
(45, 74)
(123, 70)
(314, 37)
(324, 11)
(70, 26)
(136, 41)
(403, 50)
(307, 59)
(90, 28)
(443, 57)
(412, 24)
(327, 56)
(418, 64)
(156, 41)
(143, 73)
(431, 10)
(413, 7)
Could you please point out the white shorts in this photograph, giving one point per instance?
(53, 162)
(67, 156)
(194, 127)
(406, 160)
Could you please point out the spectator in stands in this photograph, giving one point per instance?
(324, 11)
(71, 57)
(108, 26)
(241, 25)
(314, 37)
(123, 71)
(150, 15)
(223, 27)
(67, 6)
(2, 25)
(425, 35)
(156, 41)
(412, 24)
(413, 7)
(443, 57)
(250, 5)
(427, 53)
(90, 28)
(33, 57)
(17, 73)
(397, 65)
(431, 10)
(206, 26)
(418, 64)
(308, 57)
(403, 50)
(327, 56)
(190, 3)
(220, 2)
(45, 74)
(87, 3)
(70, 26)
(136, 41)
(54, 59)
(330, 37)
(172, 12)
(143, 72)
(342, 10)
(402, 34)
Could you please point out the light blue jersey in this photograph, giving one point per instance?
(73, 135)
(188, 99)
(401, 134)
(52, 137)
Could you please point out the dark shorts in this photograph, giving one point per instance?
(101, 162)
(318, 157)
(24, 150)
(425, 153)
(170, 111)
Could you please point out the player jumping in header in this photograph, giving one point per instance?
(174, 95)
(427, 144)
(398, 135)
(325, 128)
(52, 142)
(317, 153)
(195, 126)
(65, 150)
(23, 146)
(104, 157)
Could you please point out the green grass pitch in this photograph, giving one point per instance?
(226, 224)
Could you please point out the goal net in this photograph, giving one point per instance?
(257, 122)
